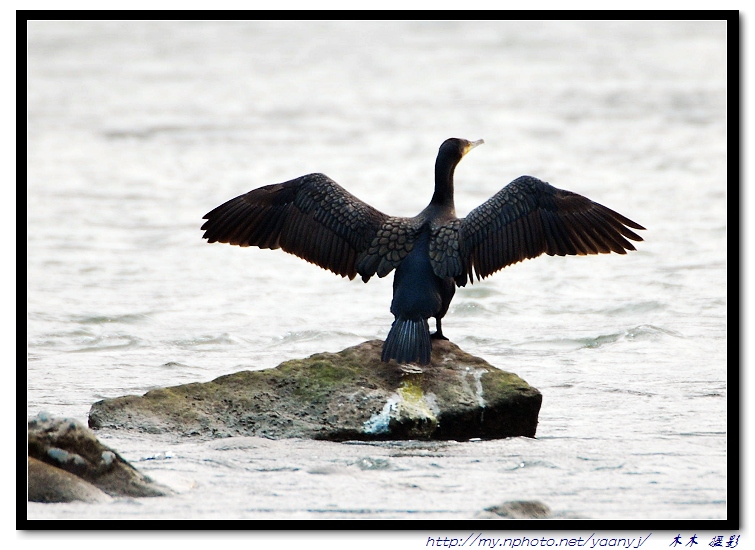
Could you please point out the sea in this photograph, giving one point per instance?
(136, 129)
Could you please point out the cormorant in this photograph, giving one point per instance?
(316, 219)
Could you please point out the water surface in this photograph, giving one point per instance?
(137, 129)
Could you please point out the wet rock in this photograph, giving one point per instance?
(517, 509)
(350, 395)
(67, 462)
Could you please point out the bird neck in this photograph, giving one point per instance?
(444, 184)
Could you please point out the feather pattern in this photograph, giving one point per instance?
(527, 218)
(317, 220)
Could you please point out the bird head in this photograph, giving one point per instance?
(456, 148)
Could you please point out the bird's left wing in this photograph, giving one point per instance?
(525, 219)
(311, 217)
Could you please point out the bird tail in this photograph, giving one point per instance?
(408, 341)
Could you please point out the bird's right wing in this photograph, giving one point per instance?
(313, 218)
(528, 218)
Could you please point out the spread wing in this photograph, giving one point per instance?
(528, 218)
(315, 219)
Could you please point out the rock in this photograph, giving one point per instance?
(50, 484)
(350, 395)
(61, 449)
(517, 509)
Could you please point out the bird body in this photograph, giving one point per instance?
(418, 294)
(318, 220)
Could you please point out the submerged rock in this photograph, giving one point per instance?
(67, 462)
(340, 396)
(517, 509)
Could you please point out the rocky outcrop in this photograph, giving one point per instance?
(50, 484)
(67, 462)
(340, 396)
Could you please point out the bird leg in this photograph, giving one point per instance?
(438, 334)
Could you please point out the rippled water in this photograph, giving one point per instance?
(137, 129)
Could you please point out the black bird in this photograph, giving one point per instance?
(318, 220)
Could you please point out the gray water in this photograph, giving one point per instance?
(137, 129)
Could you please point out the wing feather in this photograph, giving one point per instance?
(311, 217)
(316, 219)
(528, 218)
